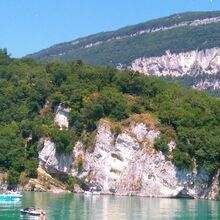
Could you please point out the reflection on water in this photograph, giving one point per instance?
(8, 202)
(30, 217)
(148, 208)
(68, 206)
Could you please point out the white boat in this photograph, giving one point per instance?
(10, 195)
(32, 211)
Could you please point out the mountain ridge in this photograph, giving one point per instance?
(160, 22)
(191, 38)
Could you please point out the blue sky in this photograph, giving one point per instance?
(31, 25)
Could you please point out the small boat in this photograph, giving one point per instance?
(10, 195)
(92, 191)
(33, 211)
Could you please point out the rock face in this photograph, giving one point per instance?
(186, 63)
(61, 117)
(214, 188)
(44, 183)
(207, 84)
(51, 161)
(127, 164)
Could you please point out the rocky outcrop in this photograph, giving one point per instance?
(44, 183)
(152, 175)
(177, 65)
(61, 117)
(207, 84)
(128, 164)
(214, 188)
(51, 161)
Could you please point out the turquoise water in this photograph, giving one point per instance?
(64, 206)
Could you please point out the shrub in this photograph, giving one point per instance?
(71, 181)
(182, 159)
(161, 143)
(13, 178)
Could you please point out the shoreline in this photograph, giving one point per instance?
(118, 195)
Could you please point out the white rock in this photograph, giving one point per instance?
(121, 166)
(171, 146)
(124, 168)
(152, 135)
(185, 63)
(207, 84)
(140, 130)
(53, 162)
(214, 188)
(61, 117)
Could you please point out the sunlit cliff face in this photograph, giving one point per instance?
(187, 63)
(128, 164)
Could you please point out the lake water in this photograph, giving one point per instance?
(65, 206)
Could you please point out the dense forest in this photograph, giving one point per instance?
(190, 117)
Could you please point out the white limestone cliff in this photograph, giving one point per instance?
(128, 164)
(179, 64)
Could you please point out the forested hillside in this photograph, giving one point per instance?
(181, 46)
(177, 33)
(190, 117)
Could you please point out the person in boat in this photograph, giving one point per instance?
(34, 210)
